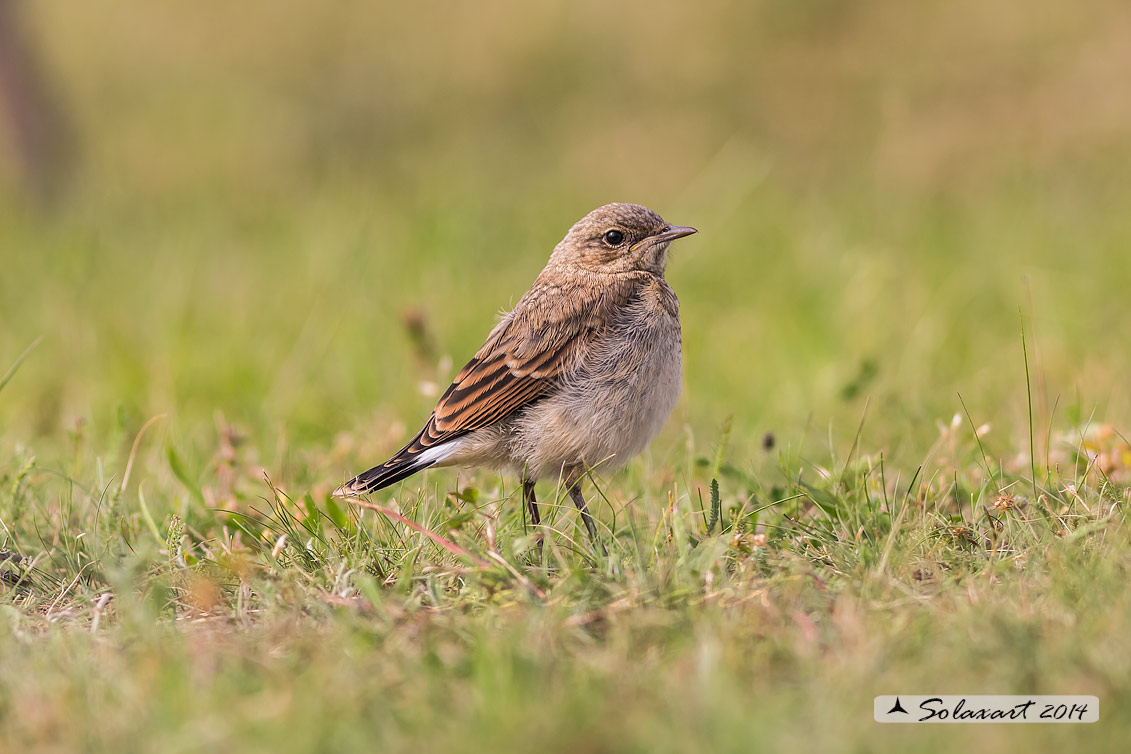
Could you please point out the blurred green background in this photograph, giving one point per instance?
(299, 218)
(284, 226)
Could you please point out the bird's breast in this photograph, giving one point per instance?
(617, 398)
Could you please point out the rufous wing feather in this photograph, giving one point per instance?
(524, 357)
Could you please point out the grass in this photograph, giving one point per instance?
(772, 616)
(280, 241)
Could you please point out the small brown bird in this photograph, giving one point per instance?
(581, 374)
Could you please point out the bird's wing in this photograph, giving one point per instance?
(523, 358)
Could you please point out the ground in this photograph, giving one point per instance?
(899, 464)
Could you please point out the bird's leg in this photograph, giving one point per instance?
(532, 506)
(579, 501)
(531, 501)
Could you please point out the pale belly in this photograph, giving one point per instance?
(608, 411)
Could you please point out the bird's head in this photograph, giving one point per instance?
(620, 238)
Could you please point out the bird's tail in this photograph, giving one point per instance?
(414, 457)
(392, 471)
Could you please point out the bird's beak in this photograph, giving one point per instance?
(669, 233)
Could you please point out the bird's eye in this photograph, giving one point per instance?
(614, 238)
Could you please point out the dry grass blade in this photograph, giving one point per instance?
(133, 450)
(447, 544)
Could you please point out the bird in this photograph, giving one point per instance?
(581, 374)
